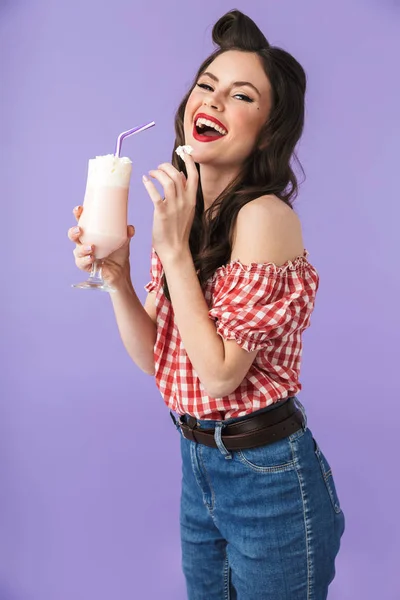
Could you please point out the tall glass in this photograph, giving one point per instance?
(104, 219)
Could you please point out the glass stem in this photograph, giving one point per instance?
(96, 275)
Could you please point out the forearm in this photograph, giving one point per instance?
(201, 341)
(138, 332)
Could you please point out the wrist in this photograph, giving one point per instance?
(124, 282)
(172, 257)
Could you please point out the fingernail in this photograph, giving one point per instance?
(77, 207)
(76, 230)
(145, 179)
(88, 248)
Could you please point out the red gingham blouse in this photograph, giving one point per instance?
(261, 306)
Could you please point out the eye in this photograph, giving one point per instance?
(205, 86)
(243, 97)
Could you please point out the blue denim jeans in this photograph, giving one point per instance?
(259, 524)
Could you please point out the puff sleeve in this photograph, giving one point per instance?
(256, 304)
(156, 271)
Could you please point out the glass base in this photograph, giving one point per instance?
(89, 285)
(95, 281)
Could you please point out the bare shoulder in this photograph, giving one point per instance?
(267, 230)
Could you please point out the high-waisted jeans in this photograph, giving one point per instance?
(259, 524)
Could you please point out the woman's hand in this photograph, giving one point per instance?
(115, 268)
(173, 216)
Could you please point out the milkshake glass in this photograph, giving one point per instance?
(104, 218)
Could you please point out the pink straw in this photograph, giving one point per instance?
(125, 134)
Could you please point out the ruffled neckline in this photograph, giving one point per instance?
(262, 268)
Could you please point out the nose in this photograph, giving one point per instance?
(212, 102)
(209, 104)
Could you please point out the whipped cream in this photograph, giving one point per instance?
(181, 150)
(109, 170)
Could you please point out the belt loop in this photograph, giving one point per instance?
(303, 411)
(219, 442)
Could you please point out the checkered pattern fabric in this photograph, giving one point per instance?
(262, 307)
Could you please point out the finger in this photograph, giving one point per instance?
(152, 191)
(84, 263)
(74, 234)
(81, 251)
(77, 212)
(167, 183)
(173, 173)
(131, 231)
(191, 169)
(184, 180)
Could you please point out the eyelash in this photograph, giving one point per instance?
(205, 86)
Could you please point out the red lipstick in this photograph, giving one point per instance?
(209, 118)
(207, 138)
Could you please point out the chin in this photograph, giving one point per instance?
(202, 153)
(202, 156)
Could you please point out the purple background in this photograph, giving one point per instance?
(89, 460)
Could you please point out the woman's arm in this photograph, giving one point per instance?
(220, 365)
(137, 326)
(266, 231)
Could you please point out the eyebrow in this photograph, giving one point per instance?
(235, 84)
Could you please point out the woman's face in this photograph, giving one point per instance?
(234, 94)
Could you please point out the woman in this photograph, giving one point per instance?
(231, 293)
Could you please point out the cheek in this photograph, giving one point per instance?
(189, 110)
(186, 121)
(247, 123)
(247, 128)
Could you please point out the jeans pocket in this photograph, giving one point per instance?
(270, 458)
(328, 478)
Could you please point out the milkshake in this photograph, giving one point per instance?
(105, 207)
(104, 222)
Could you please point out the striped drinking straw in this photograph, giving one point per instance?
(125, 134)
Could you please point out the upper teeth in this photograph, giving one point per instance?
(203, 122)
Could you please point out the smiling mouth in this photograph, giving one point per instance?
(206, 130)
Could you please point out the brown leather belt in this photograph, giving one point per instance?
(253, 431)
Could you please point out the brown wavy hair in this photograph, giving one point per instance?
(268, 169)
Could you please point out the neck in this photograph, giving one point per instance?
(213, 181)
